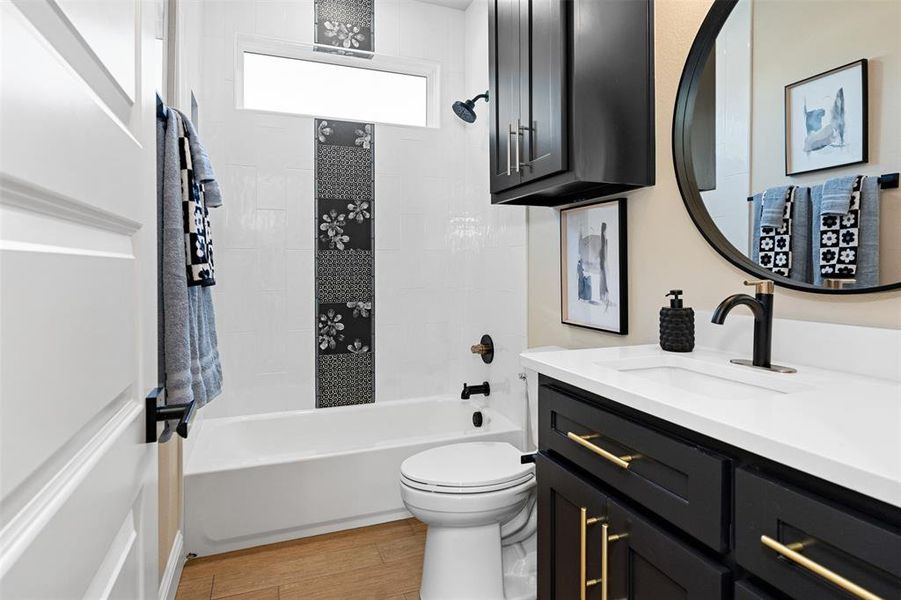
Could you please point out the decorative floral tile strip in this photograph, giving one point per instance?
(345, 379)
(345, 280)
(345, 26)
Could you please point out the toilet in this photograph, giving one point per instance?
(478, 501)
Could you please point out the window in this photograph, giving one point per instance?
(379, 89)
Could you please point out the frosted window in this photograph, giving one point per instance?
(307, 87)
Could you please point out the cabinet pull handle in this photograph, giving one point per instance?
(584, 522)
(582, 440)
(509, 142)
(818, 569)
(518, 134)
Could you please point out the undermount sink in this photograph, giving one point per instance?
(723, 381)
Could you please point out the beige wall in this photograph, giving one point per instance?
(665, 249)
(845, 32)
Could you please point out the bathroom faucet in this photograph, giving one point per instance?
(469, 390)
(762, 307)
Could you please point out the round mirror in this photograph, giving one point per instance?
(787, 140)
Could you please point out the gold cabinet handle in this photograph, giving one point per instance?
(582, 440)
(818, 569)
(584, 522)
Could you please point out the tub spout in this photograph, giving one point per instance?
(469, 390)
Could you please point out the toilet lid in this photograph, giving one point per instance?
(470, 465)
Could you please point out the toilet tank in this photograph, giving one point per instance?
(532, 395)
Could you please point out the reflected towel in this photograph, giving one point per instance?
(774, 206)
(867, 272)
(837, 195)
(801, 269)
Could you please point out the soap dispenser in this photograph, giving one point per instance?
(677, 325)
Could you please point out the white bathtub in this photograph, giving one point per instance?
(266, 478)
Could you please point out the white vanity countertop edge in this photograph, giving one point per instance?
(846, 431)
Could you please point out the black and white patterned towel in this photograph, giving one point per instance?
(198, 240)
(839, 239)
(775, 243)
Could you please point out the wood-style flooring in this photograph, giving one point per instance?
(381, 562)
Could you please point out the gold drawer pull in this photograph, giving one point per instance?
(583, 542)
(606, 539)
(818, 569)
(582, 440)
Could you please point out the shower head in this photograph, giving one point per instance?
(466, 109)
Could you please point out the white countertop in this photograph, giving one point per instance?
(841, 427)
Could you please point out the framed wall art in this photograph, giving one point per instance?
(593, 266)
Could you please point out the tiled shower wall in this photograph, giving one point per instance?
(449, 267)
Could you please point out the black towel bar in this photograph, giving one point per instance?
(158, 411)
(888, 181)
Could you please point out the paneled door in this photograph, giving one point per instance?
(78, 485)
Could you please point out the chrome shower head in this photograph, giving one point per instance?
(466, 109)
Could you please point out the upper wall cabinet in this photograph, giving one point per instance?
(572, 99)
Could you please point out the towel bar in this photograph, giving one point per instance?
(888, 181)
(157, 411)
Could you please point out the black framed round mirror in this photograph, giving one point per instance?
(787, 141)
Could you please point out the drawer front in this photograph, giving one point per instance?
(812, 549)
(683, 484)
(748, 591)
(646, 563)
(568, 550)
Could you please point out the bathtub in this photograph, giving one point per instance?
(267, 478)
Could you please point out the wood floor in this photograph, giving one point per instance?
(378, 562)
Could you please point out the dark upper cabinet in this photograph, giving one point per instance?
(572, 99)
(504, 51)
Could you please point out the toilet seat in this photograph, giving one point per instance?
(468, 468)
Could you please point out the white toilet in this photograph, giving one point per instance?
(478, 500)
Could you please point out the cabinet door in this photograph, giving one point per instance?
(646, 563)
(567, 557)
(504, 89)
(543, 125)
(809, 547)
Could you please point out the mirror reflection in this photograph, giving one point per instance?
(795, 139)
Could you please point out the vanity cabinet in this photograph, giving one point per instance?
(686, 516)
(681, 482)
(787, 537)
(571, 98)
(641, 561)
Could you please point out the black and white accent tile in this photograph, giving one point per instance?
(345, 278)
(345, 26)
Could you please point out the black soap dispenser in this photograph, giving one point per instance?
(677, 325)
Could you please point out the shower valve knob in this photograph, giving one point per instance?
(485, 349)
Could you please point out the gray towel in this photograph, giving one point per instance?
(837, 195)
(868, 234)
(800, 235)
(203, 168)
(191, 358)
(773, 206)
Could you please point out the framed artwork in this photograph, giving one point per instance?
(826, 120)
(593, 267)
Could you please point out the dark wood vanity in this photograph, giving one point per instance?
(572, 99)
(632, 506)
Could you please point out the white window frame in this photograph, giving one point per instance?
(431, 71)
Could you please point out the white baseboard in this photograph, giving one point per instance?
(174, 566)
